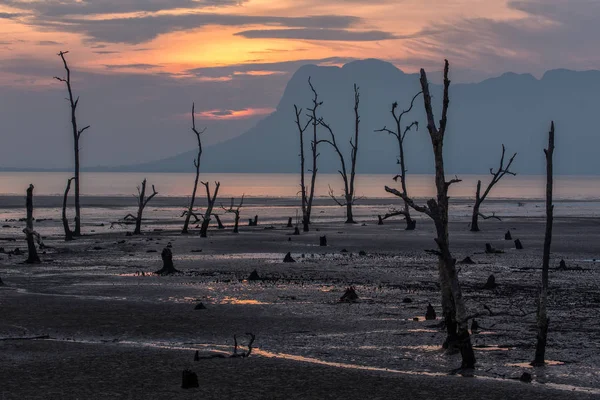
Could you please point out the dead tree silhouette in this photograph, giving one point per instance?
(542, 316)
(400, 136)
(236, 212)
(30, 234)
(73, 102)
(211, 199)
(479, 198)
(349, 187)
(301, 130)
(453, 303)
(142, 202)
(190, 211)
(65, 221)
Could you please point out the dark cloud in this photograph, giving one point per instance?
(48, 43)
(286, 67)
(7, 15)
(137, 30)
(317, 34)
(58, 8)
(132, 66)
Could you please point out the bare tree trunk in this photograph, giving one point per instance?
(65, 221)
(349, 189)
(313, 147)
(236, 212)
(410, 223)
(142, 202)
(437, 210)
(197, 165)
(32, 257)
(76, 136)
(219, 223)
(542, 320)
(479, 198)
(209, 207)
(301, 130)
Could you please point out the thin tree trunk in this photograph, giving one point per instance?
(142, 202)
(315, 155)
(32, 257)
(209, 208)
(65, 221)
(475, 216)
(197, 165)
(542, 320)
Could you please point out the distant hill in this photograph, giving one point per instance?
(512, 109)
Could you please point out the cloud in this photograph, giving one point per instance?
(317, 34)
(143, 29)
(131, 66)
(227, 114)
(549, 34)
(58, 8)
(48, 43)
(7, 15)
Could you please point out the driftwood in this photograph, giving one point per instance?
(542, 316)
(190, 209)
(73, 102)
(30, 234)
(410, 223)
(142, 203)
(479, 197)
(65, 221)
(235, 354)
(349, 197)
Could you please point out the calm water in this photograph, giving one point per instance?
(526, 187)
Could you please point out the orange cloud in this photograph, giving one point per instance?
(234, 114)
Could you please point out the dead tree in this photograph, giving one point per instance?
(479, 198)
(301, 130)
(142, 202)
(453, 304)
(30, 234)
(209, 207)
(400, 136)
(349, 189)
(236, 213)
(542, 317)
(65, 221)
(190, 210)
(168, 267)
(73, 102)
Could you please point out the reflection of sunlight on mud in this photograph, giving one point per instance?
(234, 300)
(549, 363)
(422, 330)
(422, 347)
(491, 348)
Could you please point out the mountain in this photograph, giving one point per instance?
(513, 109)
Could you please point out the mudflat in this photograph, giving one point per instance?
(93, 322)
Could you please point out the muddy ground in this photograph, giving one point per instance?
(112, 329)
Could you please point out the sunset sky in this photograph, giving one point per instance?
(234, 57)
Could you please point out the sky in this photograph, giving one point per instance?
(139, 64)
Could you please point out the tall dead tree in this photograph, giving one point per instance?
(142, 202)
(211, 199)
(236, 212)
(65, 221)
(453, 303)
(30, 234)
(315, 155)
(74, 102)
(303, 193)
(349, 189)
(190, 210)
(479, 198)
(400, 136)
(542, 317)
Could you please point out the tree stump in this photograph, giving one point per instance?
(197, 356)
(1, 283)
(411, 225)
(562, 265)
(200, 306)
(491, 283)
(30, 234)
(254, 276)
(168, 267)
(526, 377)
(253, 222)
(490, 250)
(189, 379)
(288, 258)
(430, 313)
(507, 235)
(323, 241)
(380, 222)
(297, 231)
(518, 245)
(474, 326)
(349, 295)
(289, 224)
